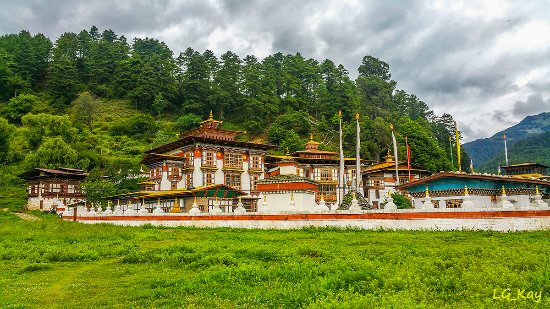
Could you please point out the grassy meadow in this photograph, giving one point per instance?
(49, 263)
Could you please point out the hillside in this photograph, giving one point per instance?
(487, 151)
(533, 148)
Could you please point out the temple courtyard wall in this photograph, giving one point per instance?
(406, 219)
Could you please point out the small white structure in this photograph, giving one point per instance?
(194, 207)
(538, 202)
(390, 205)
(288, 193)
(467, 201)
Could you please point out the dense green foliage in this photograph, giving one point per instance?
(102, 98)
(72, 265)
(488, 153)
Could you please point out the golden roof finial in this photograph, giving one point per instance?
(211, 116)
(357, 116)
(503, 190)
(427, 192)
(311, 137)
(239, 199)
(466, 191)
(391, 126)
(195, 200)
(537, 190)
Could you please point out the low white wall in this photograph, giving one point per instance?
(280, 202)
(443, 224)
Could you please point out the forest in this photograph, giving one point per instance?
(95, 101)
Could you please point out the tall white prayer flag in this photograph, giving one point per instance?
(357, 155)
(395, 154)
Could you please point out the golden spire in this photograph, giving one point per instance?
(195, 200)
(503, 190)
(537, 190)
(211, 116)
(391, 126)
(427, 192)
(466, 191)
(239, 199)
(357, 116)
(311, 137)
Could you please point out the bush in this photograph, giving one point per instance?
(136, 126)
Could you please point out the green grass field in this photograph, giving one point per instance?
(54, 264)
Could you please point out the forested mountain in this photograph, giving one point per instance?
(95, 101)
(488, 153)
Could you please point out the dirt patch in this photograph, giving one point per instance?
(27, 217)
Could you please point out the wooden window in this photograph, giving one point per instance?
(70, 189)
(55, 188)
(174, 185)
(233, 160)
(189, 180)
(189, 157)
(208, 179)
(256, 162)
(328, 192)
(174, 171)
(208, 159)
(253, 181)
(233, 180)
(326, 174)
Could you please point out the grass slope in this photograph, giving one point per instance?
(53, 264)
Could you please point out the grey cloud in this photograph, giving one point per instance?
(533, 105)
(444, 55)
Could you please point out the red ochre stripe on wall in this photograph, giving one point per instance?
(302, 217)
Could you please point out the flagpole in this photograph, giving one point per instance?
(505, 150)
(452, 160)
(358, 156)
(408, 158)
(341, 174)
(458, 147)
(395, 154)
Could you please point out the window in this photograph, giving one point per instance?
(326, 174)
(189, 157)
(208, 159)
(233, 160)
(233, 180)
(174, 171)
(208, 179)
(174, 185)
(328, 192)
(70, 189)
(253, 181)
(55, 188)
(256, 162)
(189, 180)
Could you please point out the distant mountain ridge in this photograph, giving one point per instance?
(488, 153)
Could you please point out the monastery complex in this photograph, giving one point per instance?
(208, 177)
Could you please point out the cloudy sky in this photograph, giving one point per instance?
(485, 62)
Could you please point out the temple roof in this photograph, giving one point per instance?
(472, 179)
(191, 140)
(60, 172)
(525, 164)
